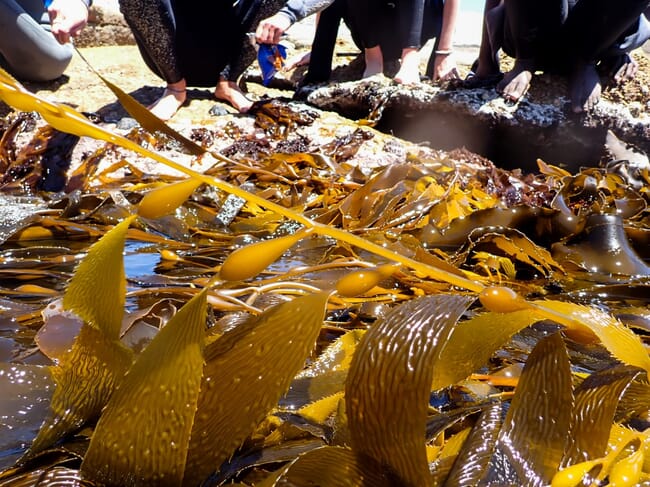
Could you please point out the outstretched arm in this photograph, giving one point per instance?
(68, 18)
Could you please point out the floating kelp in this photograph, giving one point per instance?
(293, 317)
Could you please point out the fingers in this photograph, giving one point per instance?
(448, 75)
(67, 19)
(270, 30)
(626, 72)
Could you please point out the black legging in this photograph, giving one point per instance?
(557, 33)
(396, 24)
(198, 41)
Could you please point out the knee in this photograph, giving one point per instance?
(44, 67)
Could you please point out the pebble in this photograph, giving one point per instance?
(126, 123)
(218, 111)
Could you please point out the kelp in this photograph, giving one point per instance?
(97, 360)
(411, 338)
(304, 324)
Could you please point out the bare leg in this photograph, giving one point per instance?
(230, 92)
(515, 83)
(409, 71)
(584, 87)
(172, 99)
(374, 61)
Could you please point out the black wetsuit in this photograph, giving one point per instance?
(559, 33)
(393, 25)
(198, 42)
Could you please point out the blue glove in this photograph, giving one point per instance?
(271, 59)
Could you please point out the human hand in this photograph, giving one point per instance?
(297, 61)
(270, 30)
(444, 67)
(627, 70)
(68, 18)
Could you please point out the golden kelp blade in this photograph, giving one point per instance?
(165, 199)
(59, 116)
(97, 290)
(85, 380)
(389, 383)
(247, 371)
(318, 411)
(143, 434)
(89, 372)
(249, 261)
(537, 424)
(621, 342)
(145, 118)
(474, 341)
(597, 399)
(326, 375)
(474, 456)
(330, 466)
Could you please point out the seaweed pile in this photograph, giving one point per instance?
(437, 321)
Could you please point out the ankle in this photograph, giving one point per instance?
(178, 87)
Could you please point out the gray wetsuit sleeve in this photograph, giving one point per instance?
(28, 50)
(299, 9)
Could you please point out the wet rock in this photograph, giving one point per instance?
(512, 135)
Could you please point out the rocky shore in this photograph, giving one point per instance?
(446, 117)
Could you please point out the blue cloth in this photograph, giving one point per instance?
(270, 58)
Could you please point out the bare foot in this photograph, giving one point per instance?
(584, 87)
(409, 72)
(230, 92)
(171, 100)
(515, 83)
(374, 61)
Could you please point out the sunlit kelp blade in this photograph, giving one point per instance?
(26, 394)
(596, 399)
(50, 475)
(144, 116)
(534, 433)
(326, 375)
(90, 370)
(85, 379)
(246, 372)
(165, 199)
(332, 467)
(442, 466)
(389, 383)
(143, 434)
(60, 116)
(472, 460)
(621, 342)
(97, 291)
(474, 341)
